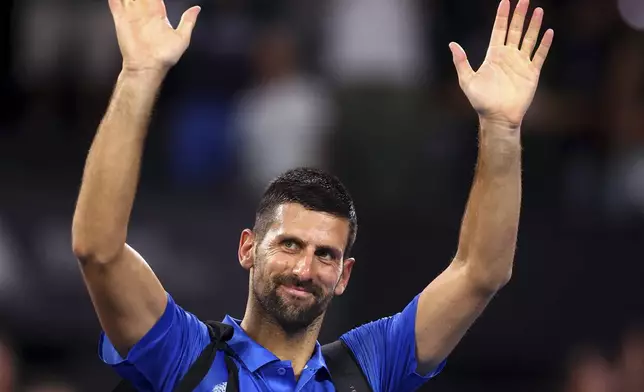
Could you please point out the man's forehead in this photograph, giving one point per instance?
(294, 219)
(296, 213)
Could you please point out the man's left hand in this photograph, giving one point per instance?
(501, 90)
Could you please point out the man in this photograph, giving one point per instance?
(297, 253)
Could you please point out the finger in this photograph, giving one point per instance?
(162, 9)
(530, 39)
(500, 29)
(542, 51)
(188, 21)
(463, 68)
(516, 26)
(145, 7)
(116, 6)
(150, 7)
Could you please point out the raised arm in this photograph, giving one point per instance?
(127, 296)
(500, 91)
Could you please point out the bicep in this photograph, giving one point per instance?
(447, 308)
(127, 296)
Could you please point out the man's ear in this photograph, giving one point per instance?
(246, 251)
(347, 267)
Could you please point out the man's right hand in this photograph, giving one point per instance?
(147, 40)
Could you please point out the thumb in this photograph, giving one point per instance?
(188, 21)
(463, 68)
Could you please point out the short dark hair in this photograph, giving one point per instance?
(313, 189)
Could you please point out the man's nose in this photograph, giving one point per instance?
(303, 268)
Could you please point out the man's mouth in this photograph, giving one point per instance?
(297, 291)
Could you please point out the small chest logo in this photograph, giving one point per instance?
(220, 387)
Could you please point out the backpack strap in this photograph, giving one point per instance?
(219, 334)
(232, 384)
(346, 373)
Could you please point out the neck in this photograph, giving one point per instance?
(263, 329)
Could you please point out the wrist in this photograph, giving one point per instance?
(499, 125)
(502, 137)
(151, 76)
(499, 131)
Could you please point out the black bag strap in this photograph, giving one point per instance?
(219, 334)
(233, 375)
(346, 373)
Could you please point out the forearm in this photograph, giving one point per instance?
(489, 229)
(112, 169)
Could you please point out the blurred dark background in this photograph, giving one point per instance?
(365, 88)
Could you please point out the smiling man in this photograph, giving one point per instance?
(298, 252)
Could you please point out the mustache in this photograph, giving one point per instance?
(292, 280)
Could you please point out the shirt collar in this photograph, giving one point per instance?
(255, 356)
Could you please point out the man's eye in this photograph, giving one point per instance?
(289, 244)
(325, 255)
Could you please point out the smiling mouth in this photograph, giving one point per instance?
(297, 291)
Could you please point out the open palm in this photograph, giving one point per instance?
(146, 37)
(503, 87)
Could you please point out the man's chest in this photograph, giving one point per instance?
(273, 377)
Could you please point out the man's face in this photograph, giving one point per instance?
(298, 266)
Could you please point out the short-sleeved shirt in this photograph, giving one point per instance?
(385, 350)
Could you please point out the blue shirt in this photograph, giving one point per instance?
(385, 349)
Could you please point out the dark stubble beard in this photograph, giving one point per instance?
(293, 317)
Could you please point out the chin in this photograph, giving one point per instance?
(294, 323)
(296, 305)
(296, 314)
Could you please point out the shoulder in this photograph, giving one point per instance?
(385, 349)
(387, 330)
(164, 355)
